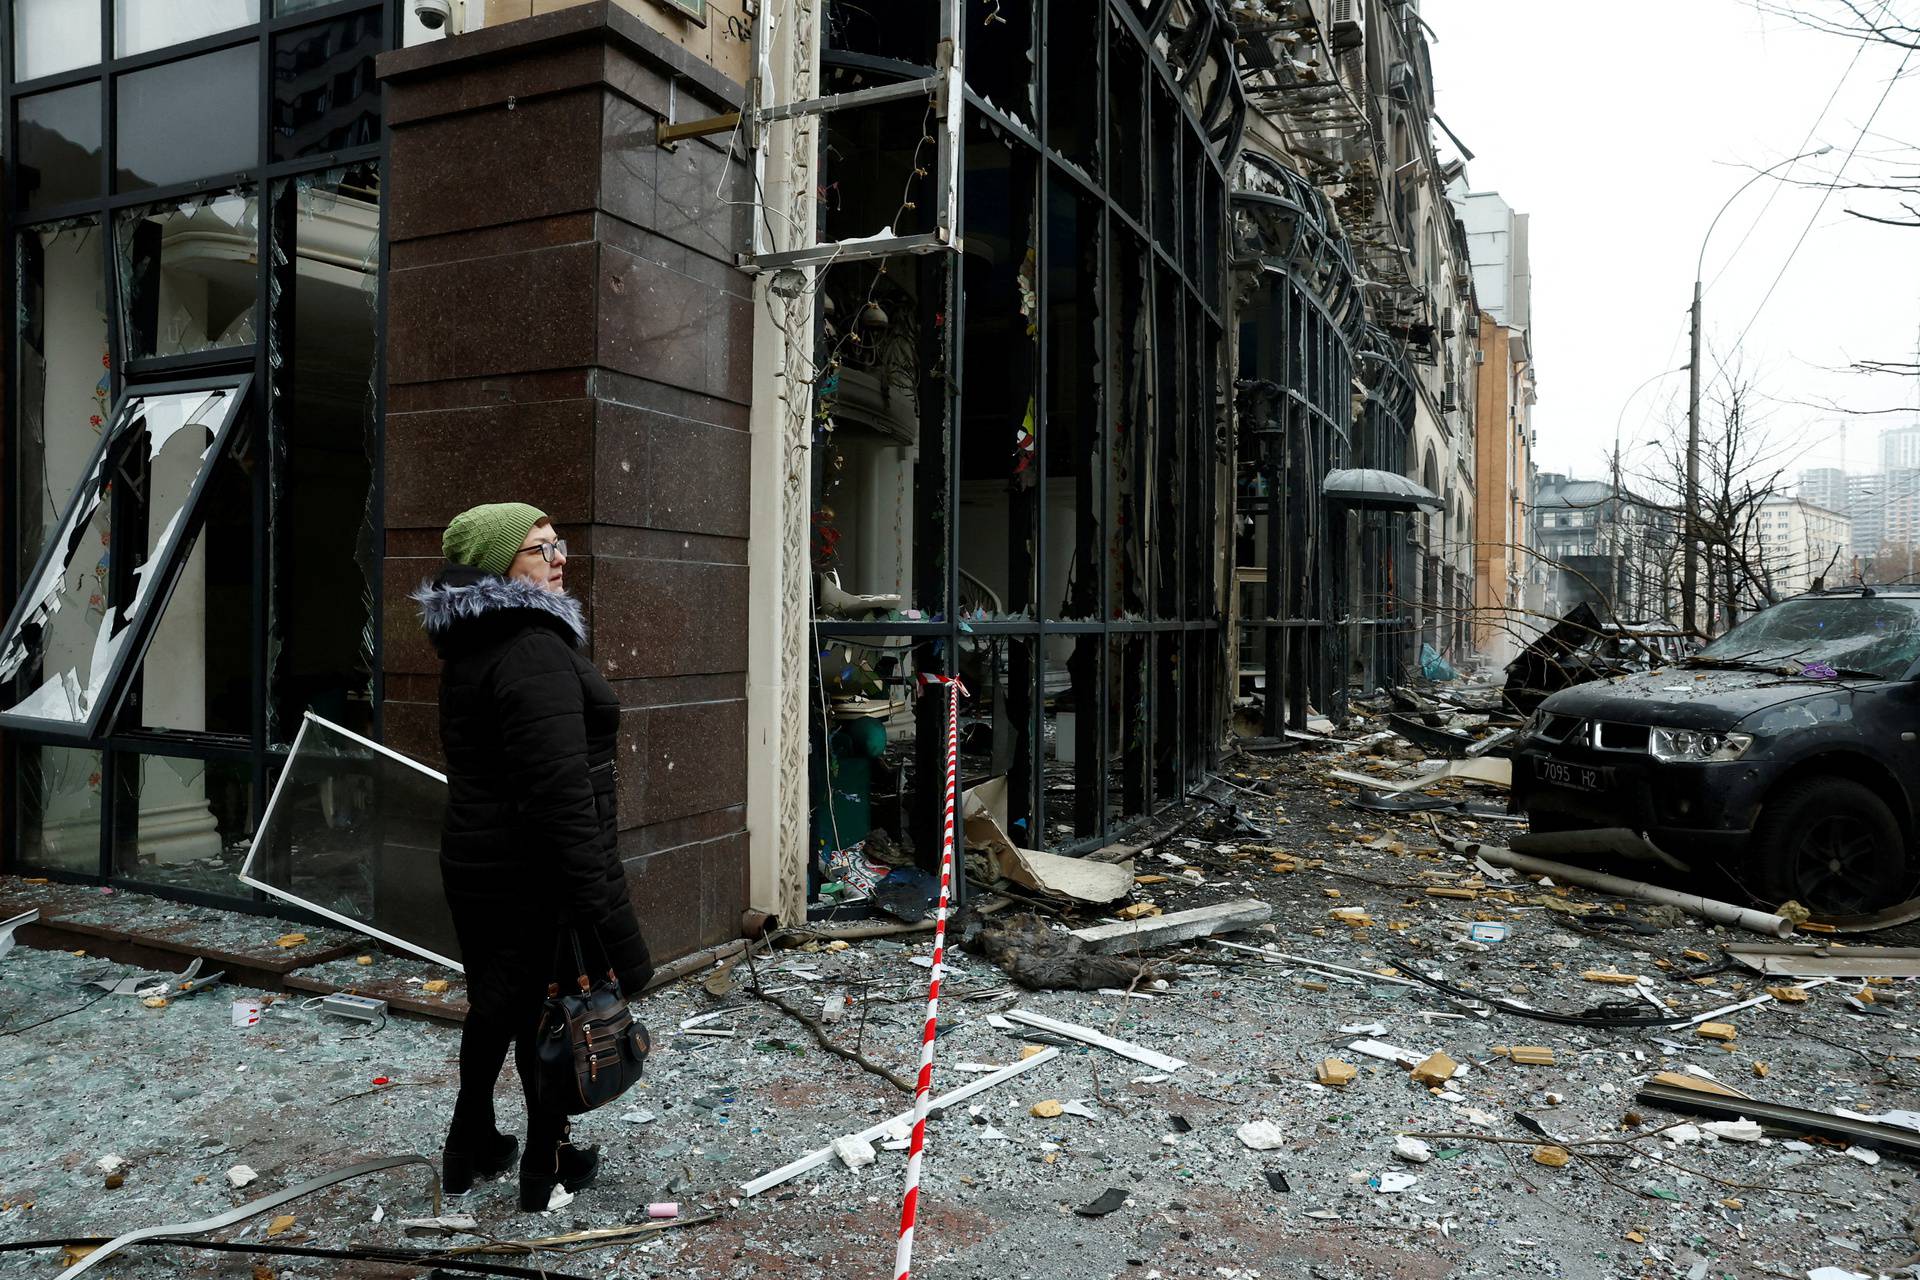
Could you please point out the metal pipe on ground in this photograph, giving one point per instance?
(1692, 903)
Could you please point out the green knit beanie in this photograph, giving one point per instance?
(490, 536)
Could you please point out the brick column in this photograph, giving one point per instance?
(565, 326)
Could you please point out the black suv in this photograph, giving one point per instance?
(1787, 753)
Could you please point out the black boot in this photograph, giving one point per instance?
(553, 1160)
(466, 1160)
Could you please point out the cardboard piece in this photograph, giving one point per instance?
(1081, 879)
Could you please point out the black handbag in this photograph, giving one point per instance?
(589, 1048)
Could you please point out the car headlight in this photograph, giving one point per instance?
(1694, 747)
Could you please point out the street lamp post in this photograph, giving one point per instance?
(1614, 515)
(1689, 574)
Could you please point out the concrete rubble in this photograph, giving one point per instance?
(1296, 1098)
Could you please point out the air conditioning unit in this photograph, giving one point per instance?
(1450, 398)
(1447, 329)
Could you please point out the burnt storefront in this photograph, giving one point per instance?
(1019, 449)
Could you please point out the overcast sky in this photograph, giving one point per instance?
(1621, 129)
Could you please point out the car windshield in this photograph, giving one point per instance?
(1878, 635)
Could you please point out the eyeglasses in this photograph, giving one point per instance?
(547, 550)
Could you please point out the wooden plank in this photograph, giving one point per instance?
(1180, 926)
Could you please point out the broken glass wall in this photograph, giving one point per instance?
(80, 621)
(1298, 331)
(1388, 565)
(1075, 380)
(352, 832)
(181, 822)
(323, 292)
(63, 379)
(170, 288)
(58, 800)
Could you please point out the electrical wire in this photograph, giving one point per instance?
(1805, 141)
(1825, 195)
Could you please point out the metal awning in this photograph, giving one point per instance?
(1382, 490)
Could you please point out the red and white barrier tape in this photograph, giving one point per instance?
(923, 1091)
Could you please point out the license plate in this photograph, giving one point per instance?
(1580, 777)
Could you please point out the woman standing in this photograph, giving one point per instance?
(529, 843)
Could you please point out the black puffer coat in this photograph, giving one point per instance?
(529, 731)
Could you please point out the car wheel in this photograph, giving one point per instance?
(1831, 845)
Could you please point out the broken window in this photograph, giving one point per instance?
(188, 274)
(89, 604)
(1126, 102)
(1071, 438)
(1127, 727)
(1073, 85)
(1130, 433)
(58, 802)
(999, 433)
(1074, 703)
(181, 822)
(323, 296)
(352, 833)
(1001, 37)
(63, 371)
(997, 725)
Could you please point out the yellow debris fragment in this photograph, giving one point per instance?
(1332, 1071)
(280, 1224)
(1552, 1157)
(1611, 978)
(437, 987)
(363, 960)
(1048, 1109)
(1788, 995)
(289, 940)
(1435, 1071)
(1721, 1031)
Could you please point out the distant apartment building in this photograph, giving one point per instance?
(1900, 448)
(1503, 421)
(1794, 543)
(1882, 507)
(1607, 547)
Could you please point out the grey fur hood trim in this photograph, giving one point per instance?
(444, 603)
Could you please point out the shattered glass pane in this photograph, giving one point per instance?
(999, 435)
(1000, 37)
(323, 298)
(182, 823)
(66, 646)
(1071, 436)
(187, 274)
(63, 373)
(353, 833)
(879, 458)
(58, 790)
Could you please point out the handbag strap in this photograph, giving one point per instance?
(569, 935)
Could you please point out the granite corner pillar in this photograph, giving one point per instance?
(567, 327)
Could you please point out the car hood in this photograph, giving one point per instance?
(1695, 697)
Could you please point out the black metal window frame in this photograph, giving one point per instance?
(1299, 332)
(264, 178)
(1210, 129)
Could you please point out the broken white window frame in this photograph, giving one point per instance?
(158, 575)
(946, 87)
(247, 877)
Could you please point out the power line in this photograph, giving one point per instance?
(1774, 191)
(1825, 195)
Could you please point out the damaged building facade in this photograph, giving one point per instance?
(1115, 358)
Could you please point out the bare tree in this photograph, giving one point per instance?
(1742, 465)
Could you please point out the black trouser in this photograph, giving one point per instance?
(484, 1039)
